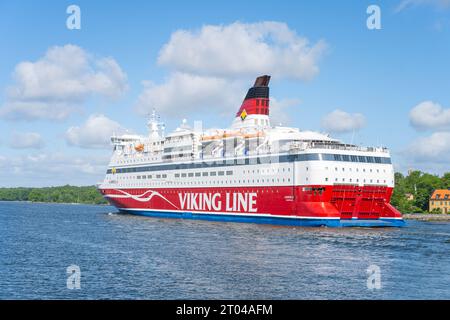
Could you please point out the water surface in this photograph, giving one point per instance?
(130, 257)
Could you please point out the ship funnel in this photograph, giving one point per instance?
(254, 110)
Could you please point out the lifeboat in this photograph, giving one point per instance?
(230, 134)
(139, 147)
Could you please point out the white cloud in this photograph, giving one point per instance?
(340, 121)
(59, 83)
(405, 4)
(57, 168)
(183, 94)
(212, 68)
(433, 148)
(26, 140)
(279, 110)
(94, 133)
(241, 49)
(429, 115)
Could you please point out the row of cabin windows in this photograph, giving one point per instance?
(212, 173)
(350, 169)
(226, 181)
(273, 180)
(158, 176)
(356, 180)
(267, 171)
(204, 174)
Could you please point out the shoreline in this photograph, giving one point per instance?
(427, 216)
(54, 202)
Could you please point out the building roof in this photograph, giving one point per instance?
(440, 194)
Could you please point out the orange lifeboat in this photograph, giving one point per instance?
(139, 147)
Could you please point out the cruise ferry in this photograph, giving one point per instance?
(251, 172)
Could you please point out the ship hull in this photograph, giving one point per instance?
(313, 206)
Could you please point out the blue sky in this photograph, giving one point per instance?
(388, 86)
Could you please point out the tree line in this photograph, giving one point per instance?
(419, 186)
(60, 194)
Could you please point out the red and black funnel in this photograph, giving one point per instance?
(257, 99)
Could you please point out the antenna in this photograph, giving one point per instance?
(155, 126)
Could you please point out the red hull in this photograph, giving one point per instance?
(338, 201)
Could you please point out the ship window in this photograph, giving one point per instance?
(205, 174)
(257, 110)
(345, 157)
(337, 157)
(370, 159)
(213, 173)
(354, 158)
(221, 173)
(229, 173)
(158, 176)
(362, 159)
(197, 174)
(164, 175)
(177, 175)
(183, 175)
(190, 174)
(257, 104)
